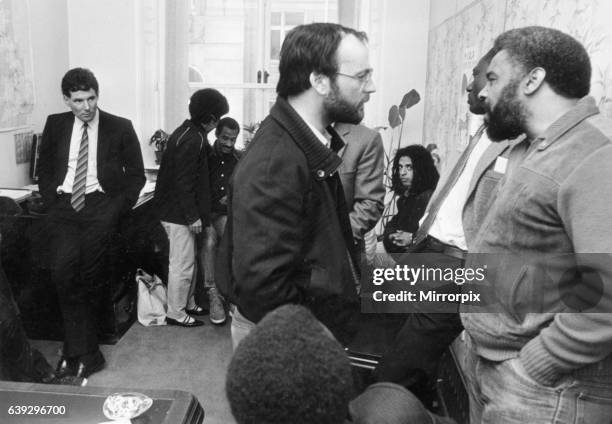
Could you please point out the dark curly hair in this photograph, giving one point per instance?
(565, 60)
(289, 369)
(424, 173)
(207, 104)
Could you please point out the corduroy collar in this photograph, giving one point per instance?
(322, 161)
(585, 108)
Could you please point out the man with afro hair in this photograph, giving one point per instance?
(182, 200)
(290, 369)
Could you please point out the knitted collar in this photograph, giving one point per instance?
(322, 161)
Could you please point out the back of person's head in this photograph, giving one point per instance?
(565, 60)
(79, 79)
(227, 122)
(425, 175)
(289, 369)
(207, 104)
(310, 48)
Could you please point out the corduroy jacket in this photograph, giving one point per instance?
(552, 212)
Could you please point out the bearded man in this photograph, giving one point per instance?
(288, 237)
(542, 347)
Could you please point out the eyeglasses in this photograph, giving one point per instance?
(363, 77)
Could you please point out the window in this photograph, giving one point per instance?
(195, 76)
(280, 24)
(236, 45)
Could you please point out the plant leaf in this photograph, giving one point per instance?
(394, 117)
(410, 99)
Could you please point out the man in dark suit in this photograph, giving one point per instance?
(456, 210)
(90, 172)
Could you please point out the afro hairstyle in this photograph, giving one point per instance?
(289, 369)
(207, 104)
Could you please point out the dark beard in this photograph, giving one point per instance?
(507, 120)
(339, 110)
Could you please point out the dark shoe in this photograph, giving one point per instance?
(198, 310)
(187, 322)
(65, 367)
(89, 364)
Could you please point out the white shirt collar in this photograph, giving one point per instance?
(323, 137)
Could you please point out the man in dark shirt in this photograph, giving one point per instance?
(221, 163)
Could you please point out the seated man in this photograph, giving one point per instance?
(290, 369)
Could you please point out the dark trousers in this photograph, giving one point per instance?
(18, 361)
(79, 267)
(413, 358)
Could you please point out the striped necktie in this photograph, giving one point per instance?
(77, 199)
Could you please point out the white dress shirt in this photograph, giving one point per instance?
(448, 224)
(92, 183)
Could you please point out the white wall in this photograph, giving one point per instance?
(398, 33)
(49, 43)
(441, 10)
(118, 41)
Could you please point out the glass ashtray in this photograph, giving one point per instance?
(126, 405)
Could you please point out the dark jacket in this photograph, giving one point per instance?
(120, 168)
(409, 211)
(288, 238)
(182, 192)
(221, 167)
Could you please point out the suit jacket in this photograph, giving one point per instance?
(481, 191)
(182, 192)
(120, 168)
(409, 211)
(361, 173)
(288, 238)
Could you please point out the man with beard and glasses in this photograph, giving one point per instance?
(542, 346)
(288, 238)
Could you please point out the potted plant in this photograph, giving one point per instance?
(159, 140)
